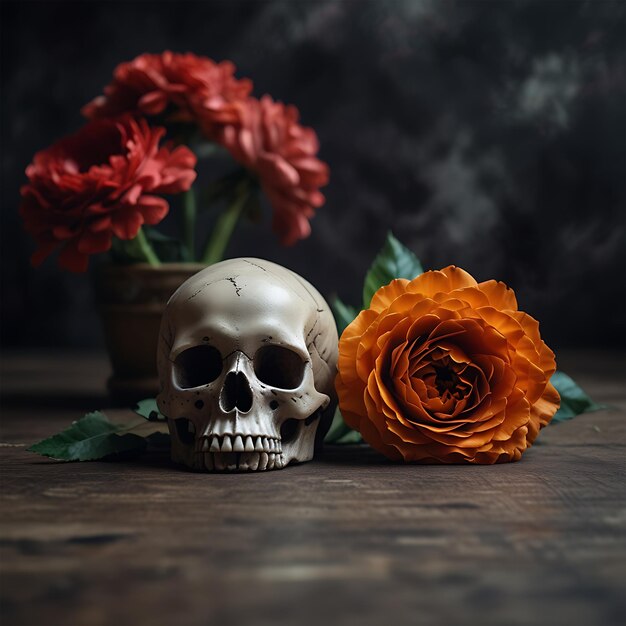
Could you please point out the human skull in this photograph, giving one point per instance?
(247, 357)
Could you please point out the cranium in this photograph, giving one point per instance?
(247, 357)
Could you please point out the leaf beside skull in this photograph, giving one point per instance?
(91, 438)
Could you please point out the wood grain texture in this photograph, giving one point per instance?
(347, 539)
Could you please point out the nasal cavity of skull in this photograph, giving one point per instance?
(279, 367)
(236, 393)
(197, 366)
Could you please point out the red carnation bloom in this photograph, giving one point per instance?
(100, 182)
(197, 88)
(270, 142)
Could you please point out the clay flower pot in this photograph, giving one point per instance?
(131, 300)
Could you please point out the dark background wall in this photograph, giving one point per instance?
(486, 134)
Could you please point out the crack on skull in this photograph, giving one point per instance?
(317, 319)
(233, 282)
(249, 262)
(312, 343)
(195, 293)
(213, 282)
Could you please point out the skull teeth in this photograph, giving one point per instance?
(239, 453)
(263, 458)
(238, 443)
(241, 461)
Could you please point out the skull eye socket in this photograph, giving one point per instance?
(197, 366)
(279, 367)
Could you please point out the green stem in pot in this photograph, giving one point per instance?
(146, 249)
(189, 223)
(223, 230)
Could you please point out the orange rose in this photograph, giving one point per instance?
(442, 369)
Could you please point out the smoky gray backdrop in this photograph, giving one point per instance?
(490, 135)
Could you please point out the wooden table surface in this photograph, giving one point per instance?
(346, 539)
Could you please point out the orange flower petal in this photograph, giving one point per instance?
(499, 295)
(444, 281)
(543, 410)
(387, 294)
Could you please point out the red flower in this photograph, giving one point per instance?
(100, 182)
(270, 142)
(263, 135)
(197, 88)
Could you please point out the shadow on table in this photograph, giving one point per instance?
(353, 455)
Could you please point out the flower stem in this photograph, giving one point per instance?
(146, 249)
(225, 225)
(189, 223)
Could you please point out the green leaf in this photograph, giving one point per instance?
(90, 438)
(340, 433)
(344, 313)
(393, 261)
(574, 400)
(148, 408)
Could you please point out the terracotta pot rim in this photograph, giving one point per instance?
(146, 267)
